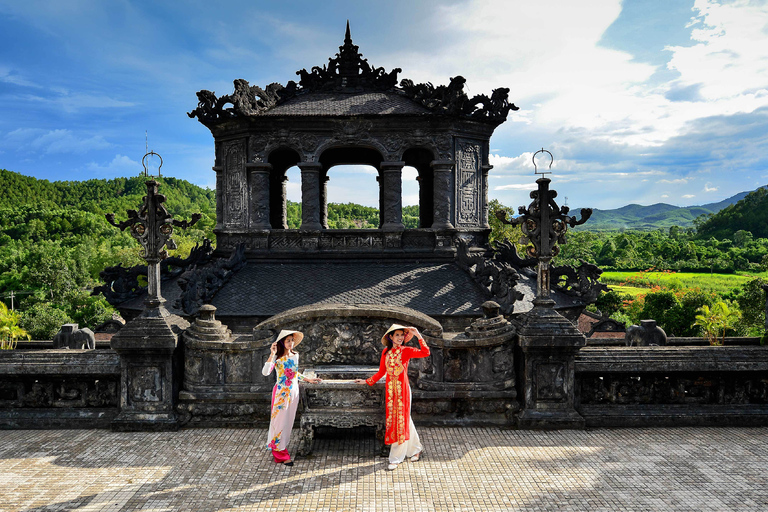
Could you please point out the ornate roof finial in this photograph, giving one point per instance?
(347, 36)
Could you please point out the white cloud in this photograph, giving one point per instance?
(678, 181)
(664, 196)
(517, 186)
(53, 141)
(688, 196)
(708, 187)
(120, 165)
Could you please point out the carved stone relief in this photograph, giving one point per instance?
(550, 381)
(236, 185)
(260, 199)
(145, 384)
(342, 343)
(38, 392)
(468, 184)
(664, 388)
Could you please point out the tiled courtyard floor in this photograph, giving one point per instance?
(464, 469)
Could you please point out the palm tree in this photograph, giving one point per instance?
(716, 320)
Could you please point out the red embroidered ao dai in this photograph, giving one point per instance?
(394, 363)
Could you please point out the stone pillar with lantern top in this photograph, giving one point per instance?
(549, 341)
(147, 343)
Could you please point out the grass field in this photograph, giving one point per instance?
(636, 283)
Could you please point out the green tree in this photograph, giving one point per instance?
(43, 320)
(751, 301)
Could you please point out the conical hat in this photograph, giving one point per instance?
(298, 336)
(397, 327)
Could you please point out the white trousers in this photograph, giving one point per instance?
(399, 451)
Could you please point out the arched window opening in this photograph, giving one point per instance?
(411, 197)
(282, 188)
(350, 178)
(292, 180)
(350, 194)
(420, 159)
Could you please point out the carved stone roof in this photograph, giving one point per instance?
(341, 104)
(350, 73)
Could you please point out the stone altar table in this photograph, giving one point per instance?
(341, 403)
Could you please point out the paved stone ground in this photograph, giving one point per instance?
(464, 469)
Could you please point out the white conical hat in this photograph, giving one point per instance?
(297, 336)
(397, 327)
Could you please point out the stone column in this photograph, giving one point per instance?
(443, 194)
(258, 181)
(484, 220)
(324, 201)
(392, 195)
(284, 202)
(310, 196)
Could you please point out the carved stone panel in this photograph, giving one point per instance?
(469, 182)
(351, 241)
(60, 392)
(550, 381)
(342, 342)
(236, 185)
(260, 198)
(145, 384)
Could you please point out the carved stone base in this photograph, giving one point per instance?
(340, 419)
(145, 423)
(550, 420)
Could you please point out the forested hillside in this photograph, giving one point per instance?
(661, 215)
(749, 214)
(54, 241)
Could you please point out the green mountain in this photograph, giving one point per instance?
(655, 216)
(748, 214)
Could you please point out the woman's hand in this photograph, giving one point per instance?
(360, 381)
(415, 332)
(273, 349)
(314, 380)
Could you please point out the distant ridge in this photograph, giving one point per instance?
(655, 216)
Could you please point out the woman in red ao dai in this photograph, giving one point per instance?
(400, 431)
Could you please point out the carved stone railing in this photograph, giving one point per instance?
(58, 388)
(672, 385)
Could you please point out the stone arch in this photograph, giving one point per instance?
(281, 159)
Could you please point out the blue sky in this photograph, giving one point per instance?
(639, 101)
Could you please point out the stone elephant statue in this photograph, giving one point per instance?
(70, 336)
(646, 334)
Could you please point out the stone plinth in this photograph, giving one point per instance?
(146, 346)
(223, 385)
(549, 344)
